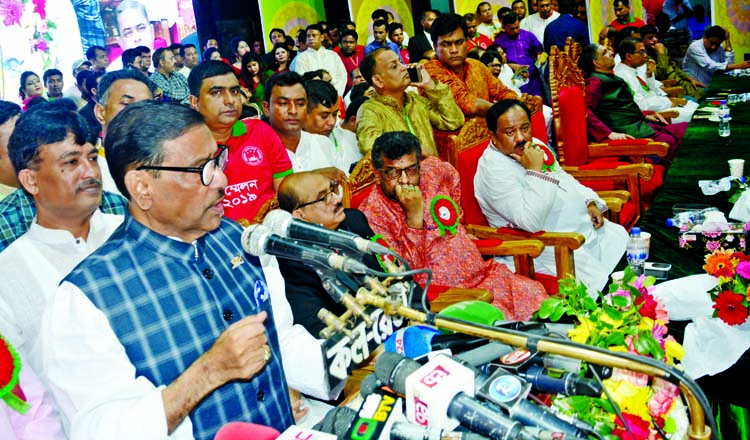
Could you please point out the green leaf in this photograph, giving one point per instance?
(558, 312)
(620, 301)
(548, 306)
(670, 426)
(615, 338)
(642, 346)
(613, 313)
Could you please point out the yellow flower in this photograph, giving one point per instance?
(608, 319)
(673, 350)
(582, 332)
(646, 324)
(632, 399)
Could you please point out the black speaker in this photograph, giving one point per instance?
(227, 30)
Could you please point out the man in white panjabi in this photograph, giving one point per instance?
(515, 186)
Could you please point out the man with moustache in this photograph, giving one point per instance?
(258, 160)
(536, 23)
(54, 155)
(166, 329)
(518, 7)
(514, 189)
(351, 54)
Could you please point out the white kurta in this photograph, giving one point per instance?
(535, 24)
(511, 196)
(347, 148)
(322, 58)
(314, 151)
(651, 96)
(31, 268)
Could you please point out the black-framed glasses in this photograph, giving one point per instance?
(642, 52)
(207, 170)
(395, 173)
(335, 188)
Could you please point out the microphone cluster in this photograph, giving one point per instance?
(480, 393)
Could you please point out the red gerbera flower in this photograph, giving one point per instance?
(648, 305)
(639, 428)
(729, 308)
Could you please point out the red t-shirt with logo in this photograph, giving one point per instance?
(256, 158)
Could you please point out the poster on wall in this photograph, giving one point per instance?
(49, 34)
(291, 16)
(361, 11)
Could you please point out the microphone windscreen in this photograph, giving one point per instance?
(337, 421)
(277, 221)
(412, 342)
(369, 384)
(246, 431)
(392, 369)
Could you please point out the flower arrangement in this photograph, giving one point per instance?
(730, 296)
(30, 15)
(628, 319)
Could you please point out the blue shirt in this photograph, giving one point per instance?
(168, 301)
(389, 44)
(558, 31)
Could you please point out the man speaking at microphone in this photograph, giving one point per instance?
(166, 330)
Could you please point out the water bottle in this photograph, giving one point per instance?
(724, 129)
(684, 220)
(636, 251)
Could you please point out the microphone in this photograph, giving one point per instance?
(439, 395)
(566, 384)
(418, 340)
(410, 431)
(284, 224)
(337, 421)
(259, 240)
(248, 431)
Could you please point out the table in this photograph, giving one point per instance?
(703, 155)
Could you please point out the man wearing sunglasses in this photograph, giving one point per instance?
(416, 210)
(167, 328)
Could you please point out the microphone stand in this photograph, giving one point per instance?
(697, 402)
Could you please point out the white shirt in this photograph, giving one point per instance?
(535, 24)
(322, 58)
(99, 389)
(650, 96)
(347, 148)
(185, 71)
(314, 151)
(31, 268)
(510, 196)
(488, 30)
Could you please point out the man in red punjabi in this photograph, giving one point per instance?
(474, 39)
(415, 209)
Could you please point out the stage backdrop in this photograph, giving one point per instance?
(465, 6)
(362, 9)
(38, 35)
(289, 15)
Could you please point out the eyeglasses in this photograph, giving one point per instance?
(207, 170)
(335, 188)
(642, 51)
(395, 173)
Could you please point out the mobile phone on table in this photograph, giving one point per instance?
(415, 75)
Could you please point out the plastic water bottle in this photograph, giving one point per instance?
(724, 128)
(636, 251)
(684, 220)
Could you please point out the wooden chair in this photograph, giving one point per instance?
(601, 161)
(464, 156)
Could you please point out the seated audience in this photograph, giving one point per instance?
(523, 50)
(54, 155)
(281, 59)
(257, 160)
(698, 22)
(317, 57)
(607, 36)
(174, 86)
(646, 89)
(514, 188)
(623, 17)
(118, 368)
(706, 56)
(488, 26)
(474, 87)
(396, 36)
(31, 86)
(474, 39)
(285, 106)
(322, 116)
(403, 210)
(392, 108)
(239, 48)
(380, 39)
(612, 111)
(252, 77)
(666, 67)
